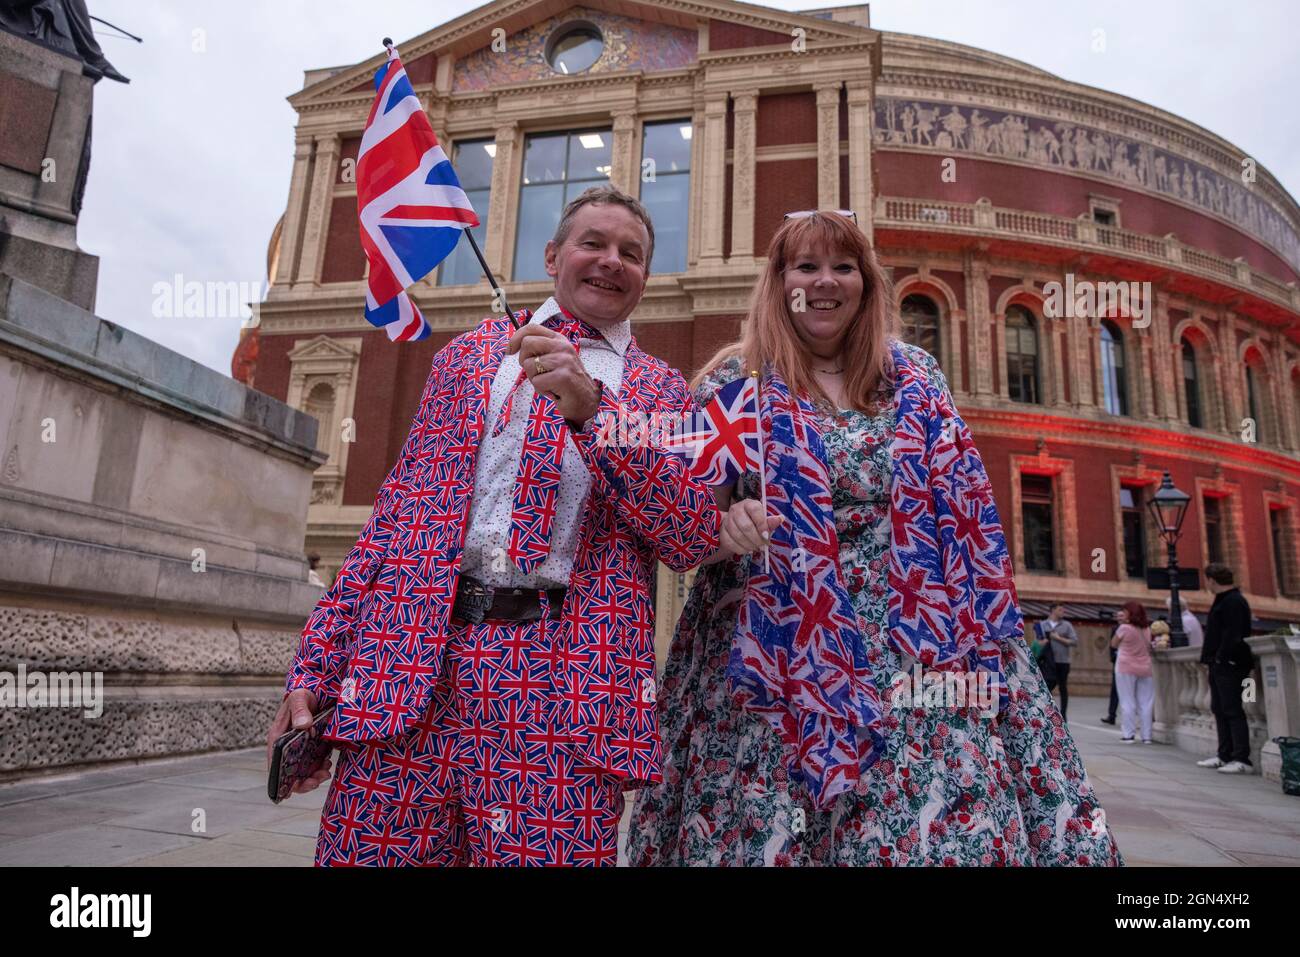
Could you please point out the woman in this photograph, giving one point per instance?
(760, 767)
(1133, 680)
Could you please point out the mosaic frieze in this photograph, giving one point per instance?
(966, 129)
(629, 45)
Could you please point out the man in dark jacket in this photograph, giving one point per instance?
(1230, 660)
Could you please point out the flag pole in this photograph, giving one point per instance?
(497, 291)
(762, 463)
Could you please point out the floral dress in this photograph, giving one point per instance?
(955, 785)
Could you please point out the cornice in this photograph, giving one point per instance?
(1059, 429)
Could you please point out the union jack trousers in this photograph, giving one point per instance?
(487, 777)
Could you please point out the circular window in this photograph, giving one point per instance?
(574, 47)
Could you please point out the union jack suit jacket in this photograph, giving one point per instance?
(375, 639)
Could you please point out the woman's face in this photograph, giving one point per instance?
(1121, 616)
(823, 291)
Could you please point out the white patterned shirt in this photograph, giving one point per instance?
(486, 540)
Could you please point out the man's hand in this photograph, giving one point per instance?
(552, 365)
(297, 711)
(745, 528)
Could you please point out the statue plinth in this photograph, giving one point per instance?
(46, 102)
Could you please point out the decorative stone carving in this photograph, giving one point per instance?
(961, 128)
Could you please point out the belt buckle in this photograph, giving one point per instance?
(473, 599)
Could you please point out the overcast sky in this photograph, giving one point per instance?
(192, 160)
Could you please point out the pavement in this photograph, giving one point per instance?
(212, 811)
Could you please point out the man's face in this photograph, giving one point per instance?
(600, 268)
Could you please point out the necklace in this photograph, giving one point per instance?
(828, 371)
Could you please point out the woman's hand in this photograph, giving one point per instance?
(746, 529)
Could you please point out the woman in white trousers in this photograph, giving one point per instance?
(1133, 677)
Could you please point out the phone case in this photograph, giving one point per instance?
(297, 755)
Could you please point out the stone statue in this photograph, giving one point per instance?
(63, 25)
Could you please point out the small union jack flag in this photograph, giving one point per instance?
(409, 201)
(721, 440)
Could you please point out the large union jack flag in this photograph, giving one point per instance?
(409, 201)
(721, 440)
(798, 658)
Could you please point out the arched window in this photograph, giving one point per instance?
(920, 318)
(1114, 385)
(1022, 356)
(1192, 385)
(320, 405)
(1259, 398)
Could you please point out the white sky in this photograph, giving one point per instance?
(192, 160)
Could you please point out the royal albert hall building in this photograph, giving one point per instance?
(981, 180)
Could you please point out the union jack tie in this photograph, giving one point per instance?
(538, 483)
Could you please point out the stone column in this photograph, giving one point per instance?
(1285, 405)
(744, 105)
(828, 145)
(1277, 394)
(1092, 361)
(318, 208)
(1076, 339)
(1177, 401)
(1145, 408)
(955, 354)
(697, 163)
(1168, 361)
(859, 101)
(625, 171)
(294, 212)
(713, 181)
(999, 330)
(1230, 384)
(977, 307)
(499, 255)
(1055, 361)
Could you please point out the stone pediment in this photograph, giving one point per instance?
(662, 35)
(323, 349)
(630, 44)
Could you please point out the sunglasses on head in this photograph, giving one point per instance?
(804, 213)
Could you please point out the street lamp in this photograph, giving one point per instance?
(1168, 508)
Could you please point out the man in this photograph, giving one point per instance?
(1113, 704)
(490, 638)
(1191, 624)
(1063, 638)
(1230, 660)
(313, 576)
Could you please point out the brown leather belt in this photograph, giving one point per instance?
(476, 602)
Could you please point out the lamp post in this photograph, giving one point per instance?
(1168, 508)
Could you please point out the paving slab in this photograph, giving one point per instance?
(1163, 809)
(95, 846)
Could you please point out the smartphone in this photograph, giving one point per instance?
(298, 754)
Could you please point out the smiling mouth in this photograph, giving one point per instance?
(824, 305)
(603, 285)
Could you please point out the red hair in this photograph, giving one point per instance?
(1137, 615)
(769, 335)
